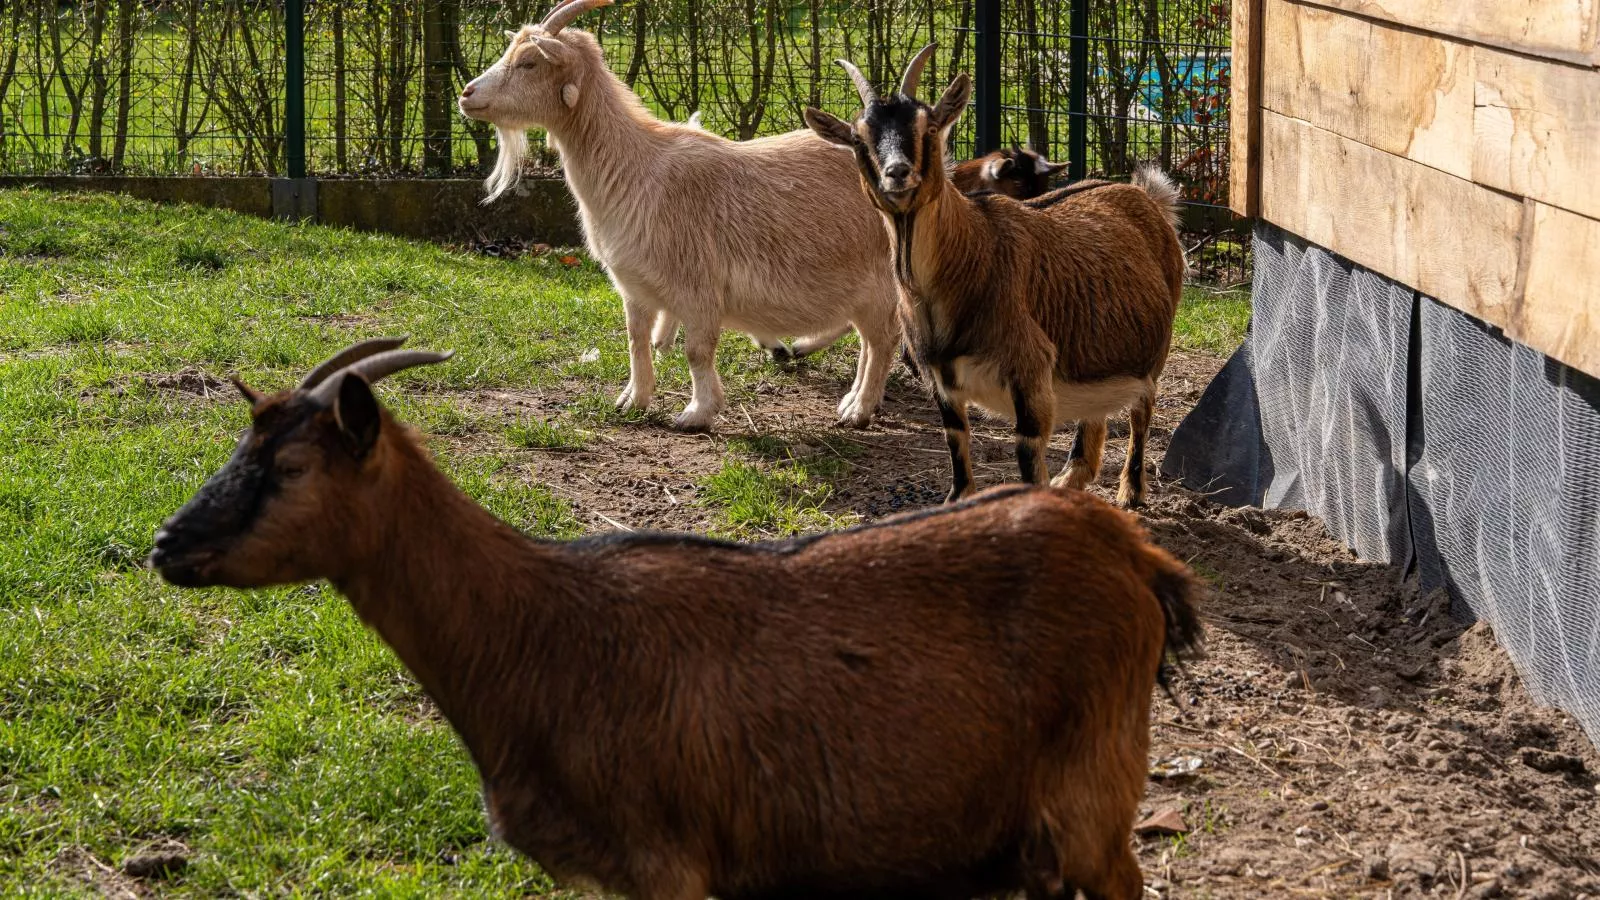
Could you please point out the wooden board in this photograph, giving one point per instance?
(1244, 110)
(1445, 236)
(1537, 130)
(1559, 312)
(1559, 29)
(1403, 92)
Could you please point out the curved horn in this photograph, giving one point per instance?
(562, 15)
(351, 354)
(375, 368)
(863, 86)
(908, 84)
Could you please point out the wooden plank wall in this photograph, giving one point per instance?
(1453, 145)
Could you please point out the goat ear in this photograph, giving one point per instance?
(830, 128)
(569, 95)
(355, 409)
(513, 35)
(251, 395)
(999, 167)
(1051, 168)
(953, 102)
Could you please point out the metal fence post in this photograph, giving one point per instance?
(1078, 92)
(986, 20)
(294, 99)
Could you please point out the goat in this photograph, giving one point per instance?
(692, 227)
(945, 704)
(1018, 173)
(1057, 309)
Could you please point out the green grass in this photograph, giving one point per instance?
(1211, 321)
(268, 730)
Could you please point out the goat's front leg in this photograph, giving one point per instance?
(706, 400)
(958, 435)
(1035, 408)
(641, 368)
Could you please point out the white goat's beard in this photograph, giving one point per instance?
(508, 165)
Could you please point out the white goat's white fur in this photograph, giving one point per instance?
(772, 236)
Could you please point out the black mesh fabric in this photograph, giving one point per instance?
(1505, 500)
(1422, 436)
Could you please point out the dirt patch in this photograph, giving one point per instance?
(1344, 736)
(77, 864)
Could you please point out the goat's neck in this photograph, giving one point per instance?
(607, 143)
(943, 238)
(455, 592)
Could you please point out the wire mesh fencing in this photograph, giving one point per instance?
(205, 87)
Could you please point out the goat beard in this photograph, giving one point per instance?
(508, 165)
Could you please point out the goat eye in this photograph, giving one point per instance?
(526, 65)
(291, 469)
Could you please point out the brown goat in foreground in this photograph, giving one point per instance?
(1055, 310)
(946, 704)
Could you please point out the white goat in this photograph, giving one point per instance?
(695, 228)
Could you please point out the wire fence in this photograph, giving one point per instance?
(205, 87)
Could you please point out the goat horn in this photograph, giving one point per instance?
(375, 368)
(351, 354)
(863, 86)
(562, 15)
(908, 84)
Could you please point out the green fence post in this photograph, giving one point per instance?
(294, 100)
(1078, 92)
(987, 86)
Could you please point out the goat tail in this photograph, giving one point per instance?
(1161, 188)
(1177, 592)
(508, 165)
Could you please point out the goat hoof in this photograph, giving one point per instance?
(854, 420)
(956, 495)
(692, 423)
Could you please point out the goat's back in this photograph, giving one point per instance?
(1100, 270)
(889, 708)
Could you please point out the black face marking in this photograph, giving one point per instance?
(227, 505)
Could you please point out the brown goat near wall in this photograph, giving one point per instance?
(947, 704)
(1054, 310)
(1019, 173)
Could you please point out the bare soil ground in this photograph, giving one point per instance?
(1344, 737)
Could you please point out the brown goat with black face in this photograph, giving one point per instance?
(1058, 309)
(945, 705)
(1019, 173)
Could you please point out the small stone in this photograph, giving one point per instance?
(1377, 868)
(1167, 821)
(1319, 806)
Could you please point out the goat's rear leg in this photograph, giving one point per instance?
(1083, 462)
(1130, 491)
(706, 399)
(872, 371)
(807, 345)
(665, 331)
